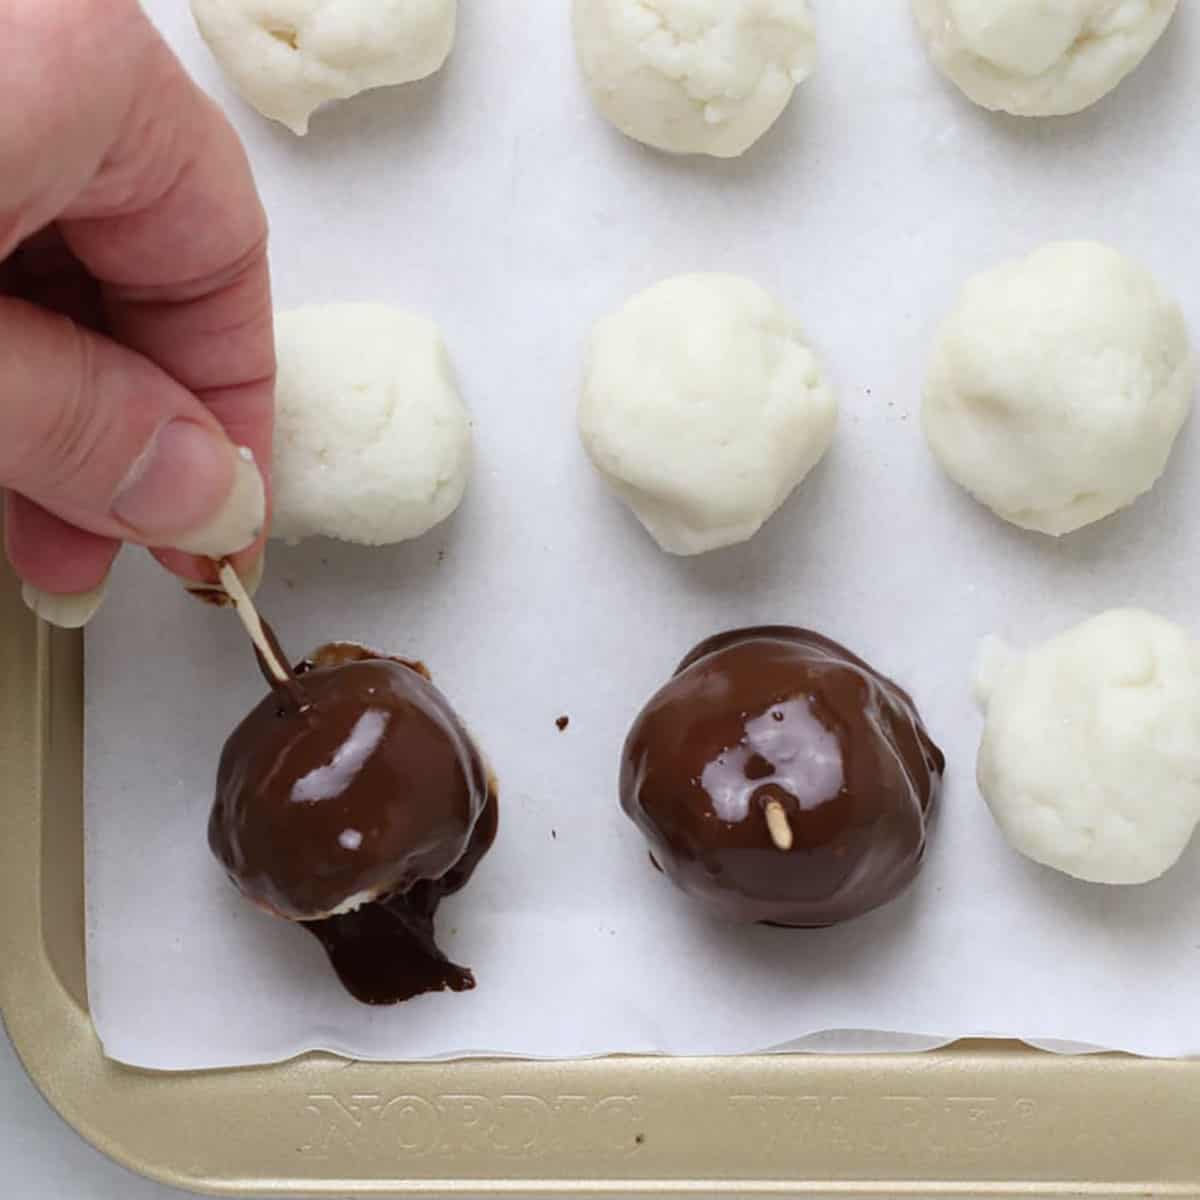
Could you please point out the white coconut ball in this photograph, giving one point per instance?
(372, 442)
(288, 57)
(1040, 58)
(694, 76)
(1058, 385)
(704, 407)
(1090, 759)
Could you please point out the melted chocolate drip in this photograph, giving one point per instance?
(385, 952)
(352, 800)
(782, 715)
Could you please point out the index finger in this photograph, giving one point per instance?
(173, 229)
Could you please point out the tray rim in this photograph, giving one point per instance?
(140, 1119)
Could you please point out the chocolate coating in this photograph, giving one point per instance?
(786, 715)
(355, 790)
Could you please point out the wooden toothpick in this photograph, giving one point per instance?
(778, 827)
(253, 623)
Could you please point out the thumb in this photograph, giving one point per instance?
(101, 437)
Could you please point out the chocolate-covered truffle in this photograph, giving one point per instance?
(352, 799)
(781, 779)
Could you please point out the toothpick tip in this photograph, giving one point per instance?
(778, 826)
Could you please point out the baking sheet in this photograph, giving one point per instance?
(494, 199)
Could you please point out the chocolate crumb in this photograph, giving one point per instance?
(562, 724)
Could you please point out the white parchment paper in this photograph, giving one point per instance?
(493, 198)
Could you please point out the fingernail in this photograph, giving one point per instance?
(193, 490)
(71, 610)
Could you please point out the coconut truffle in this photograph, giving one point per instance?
(372, 442)
(704, 407)
(1058, 386)
(1037, 59)
(1090, 759)
(288, 57)
(694, 76)
(353, 800)
(780, 778)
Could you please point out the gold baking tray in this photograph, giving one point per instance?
(981, 1119)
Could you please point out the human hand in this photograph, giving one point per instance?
(136, 350)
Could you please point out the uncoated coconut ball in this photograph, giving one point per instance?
(288, 57)
(704, 407)
(1090, 759)
(1040, 58)
(694, 76)
(1058, 385)
(372, 442)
